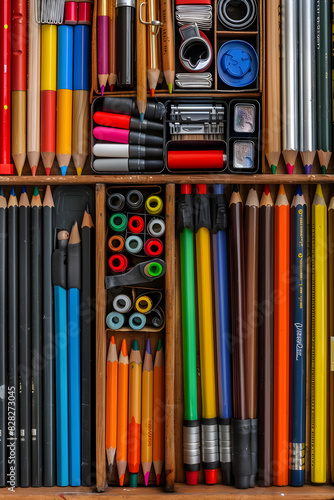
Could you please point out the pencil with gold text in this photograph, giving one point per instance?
(147, 414)
(159, 412)
(3, 336)
(135, 389)
(122, 413)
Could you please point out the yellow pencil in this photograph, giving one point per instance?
(147, 414)
(319, 339)
(207, 359)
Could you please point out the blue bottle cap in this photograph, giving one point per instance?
(238, 63)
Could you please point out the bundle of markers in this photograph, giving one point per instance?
(135, 419)
(258, 271)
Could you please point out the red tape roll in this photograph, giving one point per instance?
(196, 160)
(153, 247)
(136, 224)
(118, 263)
(71, 13)
(84, 13)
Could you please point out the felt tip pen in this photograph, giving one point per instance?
(127, 165)
(153, 111)
(126, 121)
(126, 137)
(125, 42)
(126, 151)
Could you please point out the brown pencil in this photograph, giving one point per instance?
(251, 265)
(141, 59)
(266, 338)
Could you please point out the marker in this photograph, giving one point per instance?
(126, 136)
(127, 122)
(125, 165)
(126, 151)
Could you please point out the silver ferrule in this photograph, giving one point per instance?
(191, 445)
(297, 456)
(210, 443)
(126, 3)
(225, 450)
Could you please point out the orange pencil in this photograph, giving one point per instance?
(159, 413)
(135, 373)
(122, 412)
(147, 414)
(111, 411)
(281, 340)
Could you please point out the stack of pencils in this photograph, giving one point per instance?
(29, 345)
(135, 421)
(258, 277)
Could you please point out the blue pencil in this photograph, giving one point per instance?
(73, 304)
(298, 339)
(221, 274)
(60, 304)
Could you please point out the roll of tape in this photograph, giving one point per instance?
(116, 202)
(137, 321)
(157, 319)
(156, 228)
(134, 200)
(195, 51)
(118, 263)
(122, 303)
(143, 304)
(116, 243)
(115, 320)
(154, 205)
(118, 222)
(136, 224)
(153, 247)
(236, 14)
(153, 269)
(134, 244)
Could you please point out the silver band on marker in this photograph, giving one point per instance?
(297, 456)
(210, 451)
(225, 448)
(191, 445)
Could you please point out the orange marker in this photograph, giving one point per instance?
(122, 412)
(135, 373)
(147, 414)
(111, 412)
(281, 340)
(159, 413)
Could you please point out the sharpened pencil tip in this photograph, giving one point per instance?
(152, 92)
(273, 169)
(308, 169)
(102, 90)
(170, 88)
(142, 117)
(33, 170)
(319, 190)
(113, 340)
(79, 171)
(135, 345)
(111, 88)
(290, 168)
(87, 208)
(148, 346)
(48, 170)
(158, 479)
(159, 345)
(12, 192)
(36, 191)
(281, 189)
(121, 480)
(266, 189)
(299, 190)
(63, 170)
(235, 188)
(323, 169)
(147, 475)
(23, 189)
(1, 191)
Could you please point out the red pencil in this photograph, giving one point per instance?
(5, 86)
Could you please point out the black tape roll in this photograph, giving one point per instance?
(116, 202)
(237, 14)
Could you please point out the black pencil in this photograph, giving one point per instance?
(49, 395)
(13, 341)
(36, 340)
(24, 339)
(3, 337)
(87, 337)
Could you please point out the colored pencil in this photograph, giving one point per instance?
(298, 325)
(19, 83)
(220, 272)
(135, 374)
(102, 43)
(273, 145)
(49, 395)
(289, 51)
(64, 97)
(111, 403)
(25, 339)
(266, 338)
(122, 413)
(34, 90)
(251, 231)
(191, 423)
(80, 96)
(87, 350)
(13, 331)
(6, 168)
(281, 339)
(141, 59)
(307, 83)
(331, 326)
(74, 334)
(324, 83)
(209, 423)
(241, 460)
(112, 77)
(147, 413)
(48, 95)
(3, 337)
(153, 70)
(167, 41)
(61, 356)
(159, 413)
(319, 339)
(36, 341)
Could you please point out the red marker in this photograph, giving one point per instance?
(6, 168)
(126, 121)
